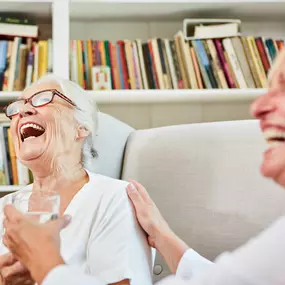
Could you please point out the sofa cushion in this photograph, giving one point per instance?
(205, 180)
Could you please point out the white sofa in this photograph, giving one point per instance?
(204, 178)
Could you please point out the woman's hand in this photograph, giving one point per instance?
(13, 272)
(148, 214)
(36, 246)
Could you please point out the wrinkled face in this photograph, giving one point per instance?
(270, 110)
(44, 132)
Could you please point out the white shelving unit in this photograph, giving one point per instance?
(131, 19)
(144, 19)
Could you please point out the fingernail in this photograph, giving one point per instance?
(67, 218)
(133, 188)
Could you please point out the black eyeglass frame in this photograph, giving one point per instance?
(29, 100)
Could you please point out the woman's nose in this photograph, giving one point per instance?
(262, 105)
(27, 110)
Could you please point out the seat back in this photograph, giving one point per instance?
(205, 179)
(112, 136)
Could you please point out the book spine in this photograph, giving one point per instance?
(224, 64)
(171, 64)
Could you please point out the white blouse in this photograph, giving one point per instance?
(261, 261)
(103, 238)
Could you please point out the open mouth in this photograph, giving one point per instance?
(274, 137)
(31, 130)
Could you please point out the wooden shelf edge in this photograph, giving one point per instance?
(169, 96)
(10, 188)
(8, 96)
(210, 2)
(163, 96)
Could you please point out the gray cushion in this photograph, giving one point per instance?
(110, 145)
(205, 180)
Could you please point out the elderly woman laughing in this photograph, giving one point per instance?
(52, 126)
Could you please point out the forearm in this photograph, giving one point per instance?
(40, 267)
(171, 248)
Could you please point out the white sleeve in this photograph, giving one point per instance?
(117, 249)
(261, 261)
(191, 264)
(65, 274)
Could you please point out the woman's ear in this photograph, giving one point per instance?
(82, 133)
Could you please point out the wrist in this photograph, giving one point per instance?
(162, 237)
(42, 268)
(171, 248)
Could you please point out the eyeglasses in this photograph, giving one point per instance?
(39, 99)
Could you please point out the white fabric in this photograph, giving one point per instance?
(192, 263)
(67, 275)
(104, 239)
(261, 261)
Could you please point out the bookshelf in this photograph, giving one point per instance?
(113, 20)
(129, 19)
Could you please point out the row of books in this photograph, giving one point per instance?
(23, 61)
(12, 171)
(234, 62)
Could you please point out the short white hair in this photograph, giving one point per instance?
(86, 114)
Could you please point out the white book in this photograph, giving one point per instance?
(142, 65)
(74, 65)
(187, 61)
(234, 63)
(137, 65)
(157, 63)
(211, 28)
(36, 63)
(12, 65)
(17, 30)
(50, 55)
(171, 64)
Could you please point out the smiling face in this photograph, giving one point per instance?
(45, 133)
(270, 110)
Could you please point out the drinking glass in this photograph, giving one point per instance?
(40, 205)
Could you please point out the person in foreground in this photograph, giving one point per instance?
(260, 261)
(53, 126)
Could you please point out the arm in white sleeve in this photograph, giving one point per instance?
(192, 264)
(261, 261)
(65, 274)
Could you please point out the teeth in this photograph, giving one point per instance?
(272, 134)
(32, 126)
(274, 143)
(31, 137)
(274, 137)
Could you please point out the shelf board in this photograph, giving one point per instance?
(86, 10)
(40, 8)
(10, 188)
(162, 96)
(9, 96)
(169, 96)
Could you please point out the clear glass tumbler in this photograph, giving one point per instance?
(40, 205)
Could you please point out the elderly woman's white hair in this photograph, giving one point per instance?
(86, 115)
